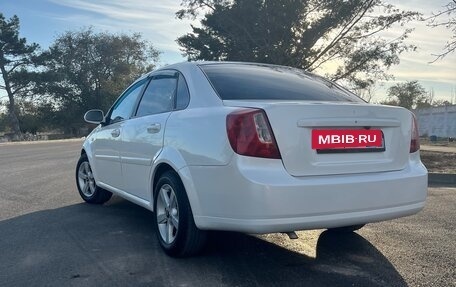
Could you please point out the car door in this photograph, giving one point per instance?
(106, 142)
(142, 136)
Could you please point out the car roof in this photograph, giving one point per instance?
(193, 64)
(202, 63)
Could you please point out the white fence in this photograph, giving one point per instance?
(439, 121)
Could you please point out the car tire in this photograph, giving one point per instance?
(87, 187)
(346, 229)
(173, 218)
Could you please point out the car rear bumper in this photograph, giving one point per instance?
(258, 196)
(261, 226)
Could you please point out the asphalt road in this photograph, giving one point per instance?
(49, 237)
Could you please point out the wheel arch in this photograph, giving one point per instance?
(159, 170)
(171, 160)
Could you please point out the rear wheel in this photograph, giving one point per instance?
(174, 223)
(346, 229)
(87, 187)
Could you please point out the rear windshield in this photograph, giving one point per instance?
(266, 82)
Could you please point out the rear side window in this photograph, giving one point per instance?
(267, 82)
(158, 96)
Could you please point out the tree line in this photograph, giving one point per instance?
(343, 39)
(81, 70)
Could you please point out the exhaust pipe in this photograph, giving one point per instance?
(292, 235)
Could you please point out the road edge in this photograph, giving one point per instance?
(442, 178)
(42, 141)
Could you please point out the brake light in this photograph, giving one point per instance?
(415, 141)
(250, 134)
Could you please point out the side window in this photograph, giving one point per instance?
(158, 96)
(123, 108)
(183, 95)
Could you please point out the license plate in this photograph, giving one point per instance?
(345, 140)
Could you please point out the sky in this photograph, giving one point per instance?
(43, 20)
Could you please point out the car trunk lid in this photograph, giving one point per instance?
(292, 124)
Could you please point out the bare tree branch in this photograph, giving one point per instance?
(345, 30)
(436, 21)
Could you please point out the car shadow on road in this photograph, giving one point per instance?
(115, 245)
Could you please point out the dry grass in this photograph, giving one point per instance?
(438, 161)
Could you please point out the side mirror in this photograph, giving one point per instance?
(94, 116)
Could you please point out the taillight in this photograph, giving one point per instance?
(250, 134)
(415, 141)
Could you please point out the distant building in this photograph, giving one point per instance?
(437, 121)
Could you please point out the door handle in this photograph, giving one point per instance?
(115, 133)
(154, 128)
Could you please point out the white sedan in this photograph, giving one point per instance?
(252, 148)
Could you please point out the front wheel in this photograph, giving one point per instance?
(87, 187)
(174, 224)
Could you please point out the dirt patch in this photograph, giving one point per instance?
(445, 142)
(439, 161)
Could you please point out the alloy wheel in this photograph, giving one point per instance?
(86, 179)
(167, 214)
